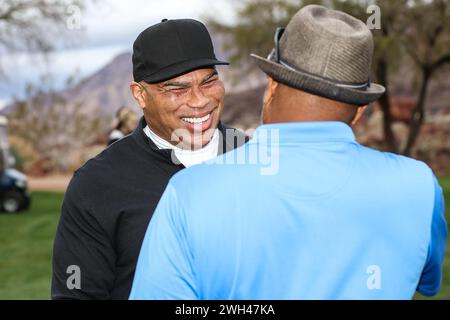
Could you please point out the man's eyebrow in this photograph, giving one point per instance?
(209, 76)
(175, 84)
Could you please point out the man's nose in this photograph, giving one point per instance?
(197, 99)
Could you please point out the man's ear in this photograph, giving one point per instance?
(358, 115)
(270, 91)
(139, 94)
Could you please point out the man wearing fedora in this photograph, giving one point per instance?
(336, 221)
(111, 199)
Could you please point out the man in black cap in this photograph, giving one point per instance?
(110, 200)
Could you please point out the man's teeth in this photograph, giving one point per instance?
(197, 120)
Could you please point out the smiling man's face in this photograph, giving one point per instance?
(184, 110)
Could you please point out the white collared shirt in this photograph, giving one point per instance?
(187, 157)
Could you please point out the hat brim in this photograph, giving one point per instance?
(180, 68)
(318, 85)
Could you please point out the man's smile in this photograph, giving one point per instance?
(200, 122)
(197, 120)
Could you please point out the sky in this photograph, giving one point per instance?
(108, 28)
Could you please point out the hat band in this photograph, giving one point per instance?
(364, 85)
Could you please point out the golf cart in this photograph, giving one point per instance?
(14, 196)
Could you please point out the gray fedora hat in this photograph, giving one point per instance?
(324, 52)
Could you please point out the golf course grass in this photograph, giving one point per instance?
(26, 241)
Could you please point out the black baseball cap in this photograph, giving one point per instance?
(171, 48)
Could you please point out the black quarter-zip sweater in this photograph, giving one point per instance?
(106, 210)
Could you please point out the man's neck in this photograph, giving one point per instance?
(283, 114)
(185, 156)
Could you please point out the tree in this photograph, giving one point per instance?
(36, 25)
(425, 35)
(254, 32)
(52, 127)
(411, 30)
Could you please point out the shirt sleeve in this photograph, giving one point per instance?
(83, 256)
(430, 281)
(164, 270)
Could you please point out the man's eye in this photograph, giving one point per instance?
(178, 90)
(210, 81)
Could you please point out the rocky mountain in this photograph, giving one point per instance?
(107, 89)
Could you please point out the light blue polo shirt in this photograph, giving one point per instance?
(302, 211)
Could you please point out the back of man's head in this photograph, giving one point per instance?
(286, 104)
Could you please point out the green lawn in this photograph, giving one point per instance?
(26, 246)
(26, 242)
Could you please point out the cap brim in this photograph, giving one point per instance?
(178, 69)
(317, 85)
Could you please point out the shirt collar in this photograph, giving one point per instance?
(227, 142)
(187, 157)
(305, 132)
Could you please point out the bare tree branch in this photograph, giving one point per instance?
(440, 62)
